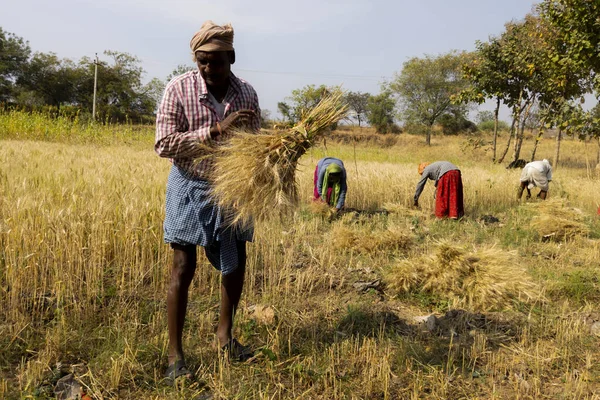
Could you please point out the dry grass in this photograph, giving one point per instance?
(255, 174)
(478, 280)
(403, 210)
(556, 220)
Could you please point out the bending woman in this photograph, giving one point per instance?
(330, 182)
(449, 188)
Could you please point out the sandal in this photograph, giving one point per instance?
(234, 350)
(177, 370)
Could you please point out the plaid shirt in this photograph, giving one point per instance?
(185, 116)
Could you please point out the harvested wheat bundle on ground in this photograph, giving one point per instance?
(555, 220)
(478, 280)
(255, 174)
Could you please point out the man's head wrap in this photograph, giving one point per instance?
(422, 167)
(212, 37)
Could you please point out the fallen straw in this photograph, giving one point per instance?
(255, 174)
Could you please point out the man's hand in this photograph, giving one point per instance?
(237, 119)
(416, 204)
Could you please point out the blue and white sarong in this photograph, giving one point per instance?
(192, 218)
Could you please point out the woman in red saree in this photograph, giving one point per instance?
(449, 188)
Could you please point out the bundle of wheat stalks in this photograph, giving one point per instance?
(477, 280)
(255, 174)
(365, 240)
(555, 220)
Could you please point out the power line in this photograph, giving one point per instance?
(363, 77)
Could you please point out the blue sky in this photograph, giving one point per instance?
(280, 45)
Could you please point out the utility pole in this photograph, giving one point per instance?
(95, 83)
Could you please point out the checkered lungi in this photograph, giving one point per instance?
(192, 218)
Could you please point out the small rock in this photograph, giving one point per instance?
(428, 322)
(67, 388)
(595, 328)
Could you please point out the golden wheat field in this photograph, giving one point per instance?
(381, 302)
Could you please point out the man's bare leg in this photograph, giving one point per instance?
(184, 266)
(231, 291)
(542, 194)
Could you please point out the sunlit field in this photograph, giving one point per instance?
(84, 274)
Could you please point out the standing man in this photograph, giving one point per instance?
(449, 188)
(536, 173)
(202, 106)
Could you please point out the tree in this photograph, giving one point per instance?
(180, 70)
(14, 55)
(121, 94)
(572, 31)
(265, 118)
(358, 103)
(488, 74)
(50, 78)
(153, 91)
(425, 87)
(454, 123)
(521, 55)
(577, 26)
(284, 110)
(380, 112)
(486, 121)
(302, 100)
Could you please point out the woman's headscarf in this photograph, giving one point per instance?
(422, 167)
(336, 186)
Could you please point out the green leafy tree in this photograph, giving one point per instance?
(488, 74)
(454, 123)
(121, 94)
(572, 32)
(425, 88)
(153, 91)
(14, 55)
(358, 104)
(486, 121)
(380, 112)
(302, 100)
(50, 78)
(577, 27)
(285, 110)
(180, 70)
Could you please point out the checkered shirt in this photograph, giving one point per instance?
(185, 116)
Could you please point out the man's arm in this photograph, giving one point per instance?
(171, 140)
